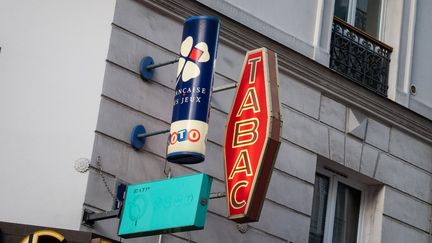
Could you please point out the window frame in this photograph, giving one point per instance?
(334, 179)
(352, 7)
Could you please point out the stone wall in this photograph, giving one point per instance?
(320, 126)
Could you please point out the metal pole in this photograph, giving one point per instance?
(144, 135)
(224, 87)
(153, 66)
(90, 217)
(215, 195)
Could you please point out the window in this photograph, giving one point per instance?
(336, 211)
(319, 209)
(355, 51)
(363, 14)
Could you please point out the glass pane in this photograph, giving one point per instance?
(367, 17)
(319, 208)
(341, 9)
(346, 215)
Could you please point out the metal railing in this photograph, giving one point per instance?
(359, 57)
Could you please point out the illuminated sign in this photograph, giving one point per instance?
(41, 236)
(165, 206)
(189, 124)
(252, 136)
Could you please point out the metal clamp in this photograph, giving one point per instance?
(138, 136)
(147, 67)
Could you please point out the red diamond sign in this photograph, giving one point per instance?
(252, 136)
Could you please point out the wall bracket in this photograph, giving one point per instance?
(216, 195)
(147, 67)
(224, 88)
(138, 136)
(90, 217)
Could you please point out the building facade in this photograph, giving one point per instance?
(355, 160)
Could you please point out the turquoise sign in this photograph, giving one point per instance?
(165, 206)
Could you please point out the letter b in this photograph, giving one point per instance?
(245, 132)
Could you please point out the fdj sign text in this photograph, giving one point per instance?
(252, 136)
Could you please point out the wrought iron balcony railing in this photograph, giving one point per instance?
(359, 57)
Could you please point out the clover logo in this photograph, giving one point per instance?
(190, 55)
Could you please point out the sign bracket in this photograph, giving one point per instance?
(138, 136)
(216, 195)
(90, 217)
(147, 67)
(224, 88)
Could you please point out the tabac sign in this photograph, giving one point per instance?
(252, 136)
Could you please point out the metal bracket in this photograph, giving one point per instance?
(215, 195)
(147, 67)
(243, 228)
(90, 217)
(224, 87)
(138, 136)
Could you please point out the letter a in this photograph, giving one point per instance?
(242, 164)
(250, 101)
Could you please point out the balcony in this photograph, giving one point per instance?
(359, 57)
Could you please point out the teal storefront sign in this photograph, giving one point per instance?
(165, 206)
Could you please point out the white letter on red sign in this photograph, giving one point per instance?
(253, 69)
(242, 167)
(245, 132)
(250, 101)
(233, 200)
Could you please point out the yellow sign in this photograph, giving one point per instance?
(40, 235)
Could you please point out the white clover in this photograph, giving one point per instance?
(187, 68)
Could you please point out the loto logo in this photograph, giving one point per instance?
(183, 135)
(190, 55)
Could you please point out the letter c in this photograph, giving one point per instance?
(233, 199)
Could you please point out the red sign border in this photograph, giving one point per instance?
(272, 142)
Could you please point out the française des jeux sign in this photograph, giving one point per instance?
(252, 136)
(189, 124)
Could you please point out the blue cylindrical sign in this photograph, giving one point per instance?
(189, 126)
